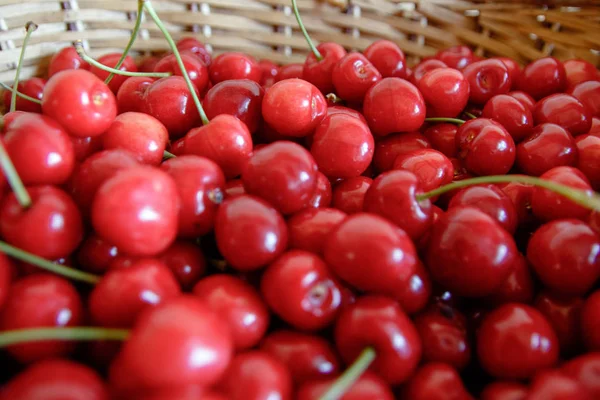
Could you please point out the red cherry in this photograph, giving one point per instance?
(195, 68)
(80, 102)
(414, 295)
(394, 105)
(590, 322)
(389, 148)
(146, 64)
(379, 322)
(147, 144)
(548, 205)
(504, 390)
(543, 77)
(309, 228)
(240, 98)
(509, 112)
(256, 375)
(352, 76)
(432, 168)
(486, 79)
(270, 72)
(6, 275)
(322, 195)
(293, 107)
(337, 109)
(51, 228)
(349, 195)
(301, 290)
(485, 147)
(456, 57)
(435, 381)
(367, 386)
(580, 71)
(66, 58)
(234, 187)
(446, 92)
(320, 73)
(548, 146)
(424, 67)
(520, 194)
(442, 138)
(122, 294)
(388, 58)
(40, 300)
(95, 255)
(110, 60)
(132, 94)
(190, 345)
(290, 71)
(228, 66)
(83, 147)
(196, 47)
(40, 150)
(514, 70)
(588, 94)
(514, 341)
(517, 288)
(563, 110)
(588, 149)
(586, 370)
(524, 98)
(307, 357)
(137, 210)
(32, 87)
(556, 385)
(56, 379)
(200, 184)
(469, 253)
(186, 262)
(367, 239)
(249, 232)
(564, 316)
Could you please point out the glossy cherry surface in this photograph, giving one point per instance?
(322, 195)
(518, 287)
(352, 76)
(32, 87)
(349, 195)
(424, 67)
(590, 321)
(586, 370)
(580, 71)
(186, 261)
(442, 138)
(456, 57)
(435, 381)
(543, 77)
(515, 117)
(195, 68)
(95, 255)
(548, 146)
(524, 98)
(196, 47)
(487, 78)
(564, 314)
(110, 60)
(228, 66)
(368, 386)
(588, 160)
(309, 228)
(555, 384)
(66, 58)
(432, 168)
(446, 92)
(320, 72)
(504, 390)
(389, 148)
(563, 110)
(388, 58)
(588, 93)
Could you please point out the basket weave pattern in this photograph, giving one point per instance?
(268, 29)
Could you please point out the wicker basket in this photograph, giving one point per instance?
(267, 28)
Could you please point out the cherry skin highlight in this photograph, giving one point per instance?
(446, 92)
(388, 58)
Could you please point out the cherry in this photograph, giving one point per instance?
(414, 295)
(40, 149)
(514, 341)
(485, 147)
(256, 375)
(110, 60)
(517, 288)
(588, 161)
(556, 385)
(487, 78)
(194, 67)
(424, 67)
(337, 109)
(446, 92)
(80, 102)
(548, 205)
(435, 381)
(146, 64)
(588, 94)
(300, 289)
(586, 370)
(83, 147)
(123, 293)
(40, 300)
(524, 98)
(250, 233)
(379, 322)
(392, 195)
(56, 379)
(200, 184)
(228, 66)
(318, 70)
(322, 195)
(548, 146)
(580, 71)
(543, 77)
(95, 255)
(432, 168)
(270, 72)
(225, 140)
(469, 253)
(514, 70)
(513, 115)
(186, 262)
(290, 71)
(564, 316)
(394, 105)
(64, 59)
(178, 331)
(456, 57)
(349, 195)
(388, 58)
(307, 357)
(50, 228)
(196, 47)
(137, 210)
(352, 76)
(389, 148)
(132, 94)
(240, 98)
(563, 110)
(590, 321)
(234, 187)
(504, 390)
(293, 107)
(309, 228)
(32, 87)
(442, 138)
(367, 386)
(7, 272)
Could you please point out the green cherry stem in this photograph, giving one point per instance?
(314, 50)
(14, 180)
(150, 10)
(19, 336)
(19, 94)
(350, 376)
(468, 114)
(30, 27)
(134, 33)
(456, 121)
(581, 197)
(81, 51)
(167, 155)
(68, 272)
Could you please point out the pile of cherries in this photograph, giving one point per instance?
(348, 228)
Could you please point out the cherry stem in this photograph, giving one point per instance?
(332, 97)
(581, 197)
(167, 155)
(173, 46)
(81, 51)
(68, 272)
(468, 114)
(13, 178)
(456, 121)
(350, 376)
(19, 336)
(134, 33)
(22, 95)
(314, 50)
(30, 27)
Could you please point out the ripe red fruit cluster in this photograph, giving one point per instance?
(259, 250)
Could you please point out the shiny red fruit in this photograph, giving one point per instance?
(195, 68)
(309, 228)
(590, 322)
(110, 60)
(564, 314)
(580, 71)
(586, 370)
(548, 146)
(66, 58)
(228, 66)
(352, 76)
(368, 386)
(487, 78)
(388, 58)
(588, 161)
(509, 112)
(543, 77)
(319, 72)
(186, 261)
(32, 87)
(442, 138)
(563, 110)
(588, 93)
(446, 92)
(349, 195)
(435, 381)
(389, 148)
(556, 385)
(456, 57)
